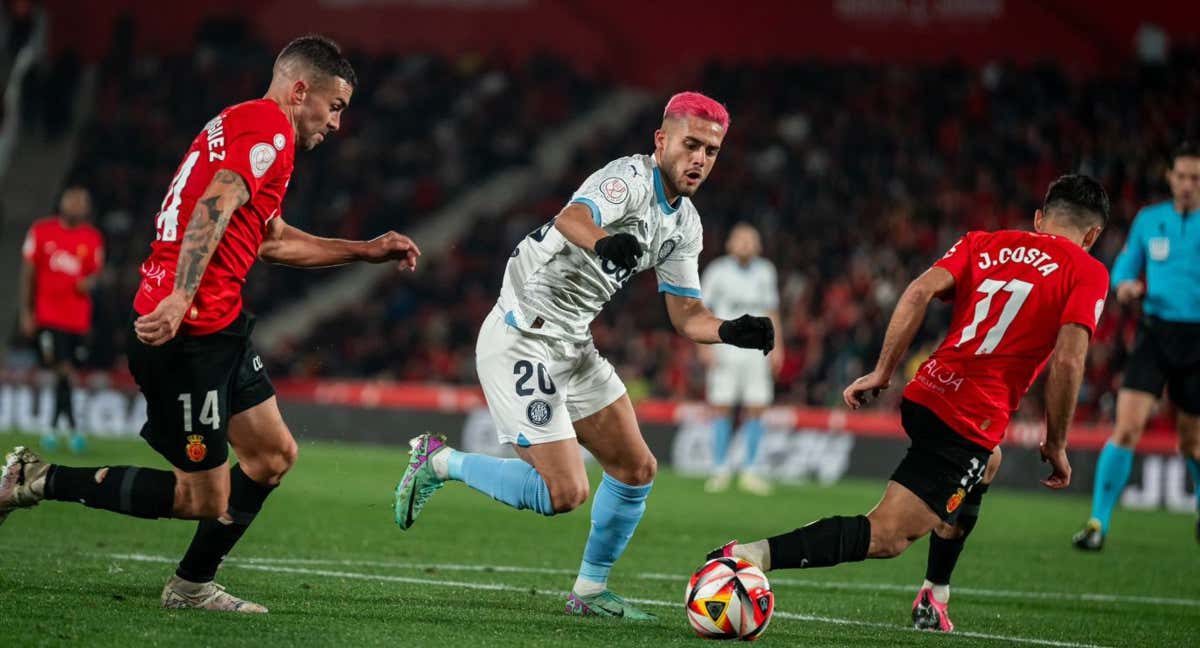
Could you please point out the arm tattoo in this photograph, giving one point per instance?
(205, 228)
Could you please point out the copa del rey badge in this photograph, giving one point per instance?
(615, 190)
(196, 450)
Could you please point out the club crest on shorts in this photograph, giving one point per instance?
(196, 450)
(539, 412)
(667, 248)
(955, 500)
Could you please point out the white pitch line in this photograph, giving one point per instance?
(796, 582)
(260, 565)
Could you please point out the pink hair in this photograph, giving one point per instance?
(694, 104)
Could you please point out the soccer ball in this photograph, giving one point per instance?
(729, 598)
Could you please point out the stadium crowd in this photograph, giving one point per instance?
(858, 177)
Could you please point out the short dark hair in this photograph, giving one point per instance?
(1079, 199)
(1185, 149)
(322, 54)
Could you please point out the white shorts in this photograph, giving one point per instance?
(740, 377)
(536, 387)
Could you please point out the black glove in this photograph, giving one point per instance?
(749, 332)
(622, 249)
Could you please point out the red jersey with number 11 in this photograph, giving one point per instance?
(255, 140)
(1013, 291)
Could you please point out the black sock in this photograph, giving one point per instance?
(943, 553)
(214, 539)
(62, 401)
(140, 492)
(823, 543)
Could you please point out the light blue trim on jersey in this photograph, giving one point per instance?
(590, 205)
(679, 291)
(661, 194)
(523, 441)
(511, 320)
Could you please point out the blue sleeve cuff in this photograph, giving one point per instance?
(679, 291)
(590, 205)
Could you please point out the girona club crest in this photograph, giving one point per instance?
(196, 450)
(955, 500)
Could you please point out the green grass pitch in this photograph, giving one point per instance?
(326, 558)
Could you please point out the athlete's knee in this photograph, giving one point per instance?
(949, 531)
(636, 472)
(200, 500)
(287, 456)
(892, 533)
(1126, 436)
(269, 465)
(1127, 433)
(568, 495)
(888, 541)
(643, 471)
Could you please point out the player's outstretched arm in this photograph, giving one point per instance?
(291, 246)
(225, 194)
(906, 321)
(692, 319)
(1063, 379)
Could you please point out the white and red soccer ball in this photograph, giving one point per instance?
(729, 598)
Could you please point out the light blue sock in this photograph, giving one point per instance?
(1193, 467)
(616, 510)
(511, 481)
(1112, 473)
(752, 433)
(722, 430)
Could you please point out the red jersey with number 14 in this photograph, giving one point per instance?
(1013, 291)
(255, 140)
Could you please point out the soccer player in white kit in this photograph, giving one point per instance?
(548, 388)
(740, 282)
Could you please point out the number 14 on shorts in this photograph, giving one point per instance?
(210, 413)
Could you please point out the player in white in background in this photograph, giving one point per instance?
(547, 387)
(740, 282)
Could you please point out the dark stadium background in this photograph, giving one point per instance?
(867, 136)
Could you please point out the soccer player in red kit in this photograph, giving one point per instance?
(62, 256)
(1022, 300)
(189, 344)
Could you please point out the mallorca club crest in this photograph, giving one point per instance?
(539, 412)
(955, 500)
(196, 450)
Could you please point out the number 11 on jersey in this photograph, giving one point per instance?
(1018, 291)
